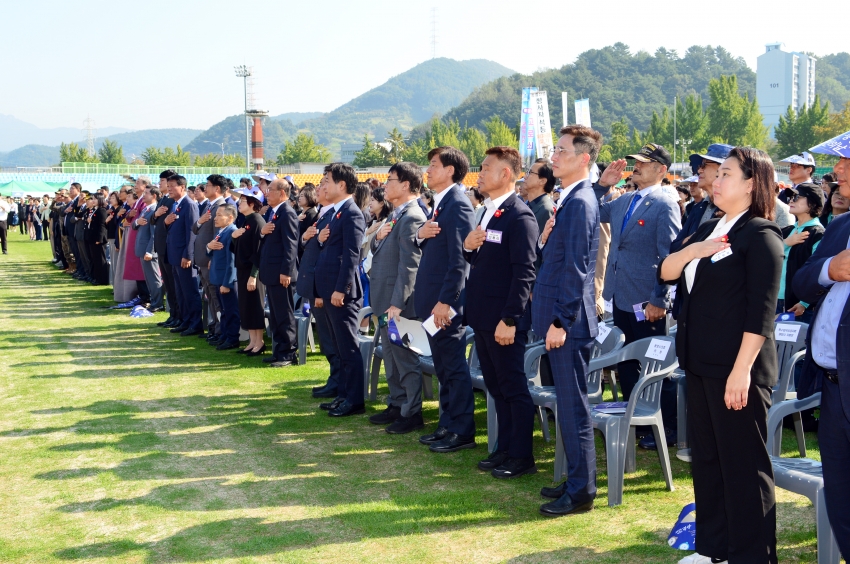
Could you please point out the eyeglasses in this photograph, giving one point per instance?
(530, 172)
(796, 197)
(561, 150)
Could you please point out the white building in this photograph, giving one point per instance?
(783, 79)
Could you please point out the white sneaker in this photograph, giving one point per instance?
(697, 558)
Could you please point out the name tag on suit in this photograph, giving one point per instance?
(494, 236)
(720, 255)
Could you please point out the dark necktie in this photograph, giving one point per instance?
(629, 213)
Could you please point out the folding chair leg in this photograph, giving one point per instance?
(376, 375)
(801, 437)
(827, 546)
(544, 423)
(428, 386)
(629, 456)
(613, 382)
(616, 461)
(663, 455)
(560, 455)
(310, 338)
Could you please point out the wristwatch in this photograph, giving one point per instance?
(557, 323)
(509, 321)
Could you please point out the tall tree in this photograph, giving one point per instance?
(798, 131)
(692, 123)
(499, 134)
(417, 152)
(473, 143)
(73, 153)
(733, 118)
(619, 142)
(838, 123)
(111, 152)
(370, 155)
(303, 149)
(397, 146)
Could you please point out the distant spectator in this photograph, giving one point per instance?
(477, 201)
(835, 206)
(427, 199)
(801, 241)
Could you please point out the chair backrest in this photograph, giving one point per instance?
(613, 341)
(786, 349)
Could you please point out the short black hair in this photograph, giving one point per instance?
(343, 172)
(449, 156)
(228, 183)
(665, 181)
(546, 173)
(217, 180)
(177, 179)
(247, 181)
(166, 174)
(155, 192)
(410, 173)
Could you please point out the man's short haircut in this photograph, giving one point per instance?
(585, 139)
(449, 156)
(178, 180)
(509, 156)
(545, 172)
(665, 181)
(342, 172)
(166, 174)
(217, 180)
(246, 181)
(228, 209)
(76, 185)
(410, 173)
(228, 184)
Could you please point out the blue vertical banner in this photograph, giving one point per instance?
(527, 130)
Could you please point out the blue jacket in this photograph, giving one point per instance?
(337, 267)
(181, 239)
(565, 284)
(635, 254)
(442, 270)
(306, 285)
(222, 269)
(808, 289)
(279, 249)
(501, 274)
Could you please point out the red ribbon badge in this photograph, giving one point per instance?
(247, 227)
(338, 214)
(499, 214)
(436, 213)
(641, 222)
(274, 217)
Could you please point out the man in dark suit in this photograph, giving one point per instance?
(204, 230)
(79, 219)
(643, 224)
(439, 289)
(338, 284)
(395, 260)
(306, 287)
(181, 249)
(278, 270)
(501, 253)
(160, 245)
(565, 312)
(69, 219)
(825, 280)
(539, 183)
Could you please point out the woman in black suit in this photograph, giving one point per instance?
(250, 291)
(96, 238)
(308, 201)
(728, 274)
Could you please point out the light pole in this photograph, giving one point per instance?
(685, 143)
(221, 146)
(244, 72)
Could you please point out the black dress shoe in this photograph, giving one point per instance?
(648, 442)
(331, 405)
(564, 506)
(209, 336)
(514, 468)
(174, 323)
(387, 416)
(347, 408)
(554, 493)
(203, 335)
(270, 359)
(452, 443)
(227, 346)
(434, 437)
(495, 460)
(259, 352)
(325, 393)
(189, 332)
(404, 425)
(283, 363)
(179, 328)
(214, 342)
(165, 323)
(317, 388)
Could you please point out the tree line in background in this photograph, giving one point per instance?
(112, 153)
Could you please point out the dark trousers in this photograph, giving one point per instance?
(3, 235)
(282, 319)
(504, 375)
(99, 268)
(628, 373)
(834, 440)
(229, 325)
(569, 370)
(83, 261)
(45, 230)
(733, 477)
(326, 342)
(190, 297)
(72, 244)
(343, 323)
(168, 282)
(37, 227)
(448, 350)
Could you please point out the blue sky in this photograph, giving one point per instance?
(158, 64)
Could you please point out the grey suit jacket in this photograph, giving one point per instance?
(204, 234)
(395, 261)
(144, 234)
(630, 277)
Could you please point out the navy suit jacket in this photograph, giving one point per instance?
(501, 274)
(442, 270)
(565, 284)
(691, 225)
(279, 249)
(306, 285)
(337, 267)
(181, 239)
(808, 289)
(222, 267)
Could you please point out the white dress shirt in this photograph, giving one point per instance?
(826, 322)
(438, 197)
(723, 227)
(490, 207)
(565, 191)
(339, 203)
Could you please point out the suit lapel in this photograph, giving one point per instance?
(401, 215)
(640, 210)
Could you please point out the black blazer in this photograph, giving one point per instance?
(279, 249)
(336, 267)
(730, 297)
(797, 257)
(306, 286)
(246, 249)
(96, 230)
(501, 274)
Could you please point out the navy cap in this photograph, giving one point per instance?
(652, 153)
(717, 153)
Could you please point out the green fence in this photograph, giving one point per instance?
(150, 170)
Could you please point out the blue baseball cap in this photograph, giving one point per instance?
(838, 146)
(717, 153)
(805, 159)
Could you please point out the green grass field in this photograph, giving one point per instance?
(124, 443)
